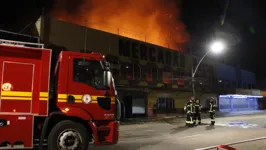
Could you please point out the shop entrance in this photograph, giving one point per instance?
(133, 104)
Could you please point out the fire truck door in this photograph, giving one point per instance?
(85, 80)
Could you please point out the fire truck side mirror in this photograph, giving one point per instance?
(108, 64)
(107, 76)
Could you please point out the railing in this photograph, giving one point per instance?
(20, 44)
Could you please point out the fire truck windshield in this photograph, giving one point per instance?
(90, 72)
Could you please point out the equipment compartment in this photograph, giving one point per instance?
(16, 130)
(18, 97)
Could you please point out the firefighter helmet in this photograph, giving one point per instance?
(190, 99)
(197, 101)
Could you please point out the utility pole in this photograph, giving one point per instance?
(86, 31)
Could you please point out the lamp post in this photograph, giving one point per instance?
(215, 47)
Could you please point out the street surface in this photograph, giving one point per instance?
(175, 136)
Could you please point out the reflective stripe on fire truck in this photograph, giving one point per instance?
(78, 98)
(16, 93)
(19, 95)
(44, 96)
(27, 96)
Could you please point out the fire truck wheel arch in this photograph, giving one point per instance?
(67, 129)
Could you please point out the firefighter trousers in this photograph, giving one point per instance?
(189, 121)
(212, 116)
(197, 116)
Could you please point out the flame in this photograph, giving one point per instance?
(153, 21)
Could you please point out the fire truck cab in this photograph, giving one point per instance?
(65, 109)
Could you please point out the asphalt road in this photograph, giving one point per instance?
(173, 135)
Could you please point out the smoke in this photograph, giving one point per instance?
(153, 21)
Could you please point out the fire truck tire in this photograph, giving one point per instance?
(68, 135)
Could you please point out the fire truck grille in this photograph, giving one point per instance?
(104, 103)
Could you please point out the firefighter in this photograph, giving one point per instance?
(197, 111)
(189, 109)
(212, 107)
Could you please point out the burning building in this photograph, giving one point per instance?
(151, 79)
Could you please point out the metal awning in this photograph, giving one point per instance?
(240, 96)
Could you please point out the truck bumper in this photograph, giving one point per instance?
(105, 134)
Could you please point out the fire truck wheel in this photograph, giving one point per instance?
(68, 135)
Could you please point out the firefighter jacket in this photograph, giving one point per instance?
(188, 107)
(193, 107)
(198, 107)
(212, 107)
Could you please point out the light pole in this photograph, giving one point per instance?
(215, 47)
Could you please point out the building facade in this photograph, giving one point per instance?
(234, 77)
(236, 89)
(151, 80)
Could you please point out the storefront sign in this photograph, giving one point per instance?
(141, 51)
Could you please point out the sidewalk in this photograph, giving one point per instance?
(181, 117)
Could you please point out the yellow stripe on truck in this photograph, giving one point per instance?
(64, 96)
(27, 96)
(43, 99)
(15, 93)
(20, 95)
(76, 101)
(78, 98)
(44, 94)
(21, 98)
(17, 98)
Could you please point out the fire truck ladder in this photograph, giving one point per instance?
(21, 44)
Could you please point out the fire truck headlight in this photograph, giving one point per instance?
(65, 110)
(86, 98)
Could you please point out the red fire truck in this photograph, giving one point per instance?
(72, 107)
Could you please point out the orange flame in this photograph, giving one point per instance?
(153, 21)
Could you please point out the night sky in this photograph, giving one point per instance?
(242, 15)
(200, 17)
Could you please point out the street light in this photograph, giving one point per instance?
(215, 47)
